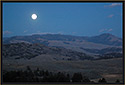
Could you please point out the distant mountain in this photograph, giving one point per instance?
(28, 51)
(107, 39)
(88, 45)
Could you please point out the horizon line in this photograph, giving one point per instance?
(59, 34)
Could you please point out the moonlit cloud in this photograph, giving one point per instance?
(111, 15)
(25, 31)
(109, 30)
(44, 33)
(113, 5)
(102, 30)
(41, 33)
(7, 32)
(105, 30)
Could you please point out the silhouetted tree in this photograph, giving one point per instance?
(85, 79)
(61, 77)
(37, 72)
(117, 81)
(46, 73)
(67, 78)
(77, 77)
(28, 68)
(41, 76)
(102, 80)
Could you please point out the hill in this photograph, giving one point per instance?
(28, 51)
(75, 43)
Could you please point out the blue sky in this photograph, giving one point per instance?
(80, 19)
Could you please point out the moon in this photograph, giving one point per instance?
(34, 16)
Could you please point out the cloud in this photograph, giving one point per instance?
(41, 33)
(111, 15)
(102, 30)
(7, 32)
(109, 30)
(25, 31)
(113, 5)
(105, 30)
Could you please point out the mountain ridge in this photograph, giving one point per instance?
(106, 38)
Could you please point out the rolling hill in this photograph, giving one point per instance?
(75, 43)
(28, 51)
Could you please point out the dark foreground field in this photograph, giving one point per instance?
(110, 69)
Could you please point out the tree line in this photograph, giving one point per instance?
(45, 76)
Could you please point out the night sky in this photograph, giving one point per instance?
(79, 19)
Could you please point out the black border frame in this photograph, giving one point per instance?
(123, 4)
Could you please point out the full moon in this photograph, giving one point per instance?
(34, 16)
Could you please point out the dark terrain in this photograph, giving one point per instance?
(94, 57)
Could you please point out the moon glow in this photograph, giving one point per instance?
(34, 16)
